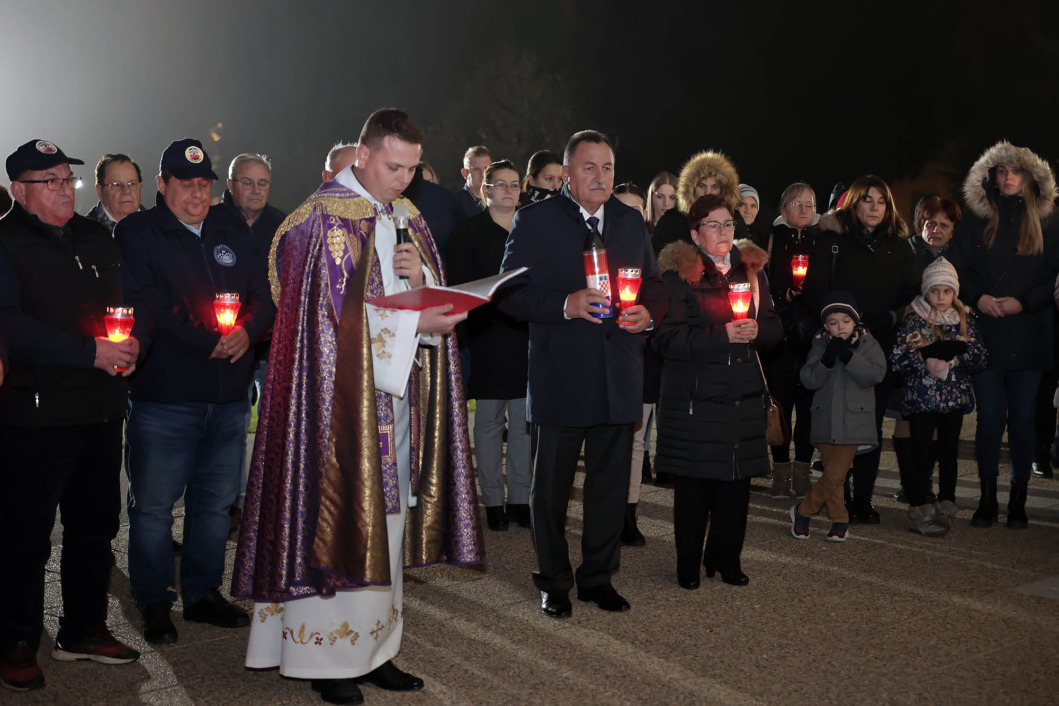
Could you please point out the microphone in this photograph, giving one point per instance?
(400, 222)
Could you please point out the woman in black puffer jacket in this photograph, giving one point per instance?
(1006, 252)
(862, 249)
(711, 418)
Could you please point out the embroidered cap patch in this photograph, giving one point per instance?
(224, 255)
(46, 147)
(193, 154)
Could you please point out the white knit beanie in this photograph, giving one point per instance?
(940, 273)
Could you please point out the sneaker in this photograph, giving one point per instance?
(19, 670)
(799, 524)
(101, 647)
(212, 608)
(839, 532)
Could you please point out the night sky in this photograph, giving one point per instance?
(790, 91)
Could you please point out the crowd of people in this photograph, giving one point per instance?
(145, 335)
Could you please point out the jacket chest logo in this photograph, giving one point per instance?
(224, 255)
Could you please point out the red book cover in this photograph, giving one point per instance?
(463, 297)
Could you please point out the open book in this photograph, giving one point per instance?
(463, 297)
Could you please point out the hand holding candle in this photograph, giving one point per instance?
(799, 268)
(628, 286)
(118, 321)
(739, 296)
(226, 307)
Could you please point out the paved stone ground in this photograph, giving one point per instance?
(888, 617)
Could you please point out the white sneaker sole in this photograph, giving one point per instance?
(64, 656)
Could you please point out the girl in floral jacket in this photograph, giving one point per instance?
(938, 347)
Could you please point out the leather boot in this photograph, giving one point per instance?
(1017, 505)
(905, 464)
(630, 533)
(988, 510)
(801, 480)
(781, 480)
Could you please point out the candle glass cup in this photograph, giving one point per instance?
(799, 268)
(118, 321)
(739, 296)
(226, 307)
(628, 286)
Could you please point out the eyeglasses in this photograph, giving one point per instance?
(248, 183)
(717, 226)
(798, 205)
(122, 185)
(513, 186)
(55, 183)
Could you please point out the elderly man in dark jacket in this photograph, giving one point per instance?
(585, 373)
(188, 400)
(61, 411)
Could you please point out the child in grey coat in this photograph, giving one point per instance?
(844, 365)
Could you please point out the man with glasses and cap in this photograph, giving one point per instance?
(62, 404)
(118, 186)
(188, 400)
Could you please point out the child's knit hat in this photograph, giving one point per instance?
(839, 300)
(938, 274)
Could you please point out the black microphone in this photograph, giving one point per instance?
(400, 223)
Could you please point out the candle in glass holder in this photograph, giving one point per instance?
(119, 321)
(799, 268)
(226, 306)
(628, 286)
(739, 296)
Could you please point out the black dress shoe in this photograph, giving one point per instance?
(865, 513)
(735, 578)
(213, 609)
(338, 691)
(689, 584)
(496, 518)
(519, 514)
(605, 597)
(389, 677)
(158, 628)
(556, 604)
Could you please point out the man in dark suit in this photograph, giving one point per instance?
(585, 373)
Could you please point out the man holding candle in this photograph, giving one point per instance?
(61, 410)
(188, 400)
(378, 474)
(585, 373)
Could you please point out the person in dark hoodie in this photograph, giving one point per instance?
(862, 249)
(711, 420)
(1006, 252)
(61, 410)
(188, 400)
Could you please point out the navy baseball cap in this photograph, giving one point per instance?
(185, 159)
(34, 156)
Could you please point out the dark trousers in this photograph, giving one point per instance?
(782, 375)
(917, 480)
(722, 504)
(1046, 417)
(74, 469)
(608, 450)
(866, 465)
(1005, 397)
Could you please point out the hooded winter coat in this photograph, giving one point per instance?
(673, 225)
(843, 410)
(711, 416)
(1021, 341)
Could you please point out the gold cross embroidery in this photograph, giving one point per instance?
(377, 630)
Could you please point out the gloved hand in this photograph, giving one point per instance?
(845, 353)
(834, 347)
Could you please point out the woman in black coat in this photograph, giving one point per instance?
(863, 249)
(711, 417)
(1005, 251)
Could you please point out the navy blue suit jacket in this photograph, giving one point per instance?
(580, 373)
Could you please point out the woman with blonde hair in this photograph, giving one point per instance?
(661, 197)
(1005, 251)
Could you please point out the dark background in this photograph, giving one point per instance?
(790, 91)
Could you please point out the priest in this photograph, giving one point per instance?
(361, 463)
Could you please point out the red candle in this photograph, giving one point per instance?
(226, 306)
(799, 267)
(739, 296)
(119, 321)
(628, 286)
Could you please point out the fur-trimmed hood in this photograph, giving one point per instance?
(829, 222)
(982, 177)
(708, 163)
